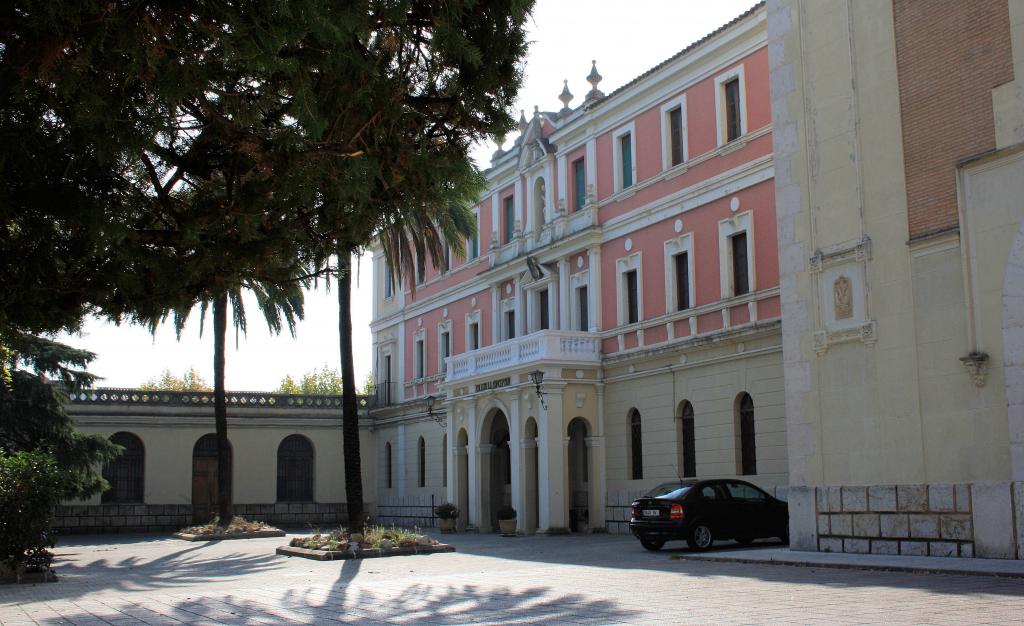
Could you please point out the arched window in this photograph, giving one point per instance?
(636, 447)
(444, 460)
(387, 464)
(126, 473)
(295, 469)
(687, 445)
(748, 446)
(421, 462)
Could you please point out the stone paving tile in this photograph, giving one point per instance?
(491, 580)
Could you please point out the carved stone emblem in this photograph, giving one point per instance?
(842, 298)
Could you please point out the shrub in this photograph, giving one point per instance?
(447, 510)
(30, 488)
(506, 512)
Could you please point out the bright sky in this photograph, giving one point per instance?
(626, 39)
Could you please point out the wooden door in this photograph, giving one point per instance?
(204, 489)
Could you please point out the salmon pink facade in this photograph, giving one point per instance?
(617, 307)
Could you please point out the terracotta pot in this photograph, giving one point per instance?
(446, 525)
(507, 526)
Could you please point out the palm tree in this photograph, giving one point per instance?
(281, 304)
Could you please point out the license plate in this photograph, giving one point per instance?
(651, 513)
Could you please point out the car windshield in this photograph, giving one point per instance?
(669, 491)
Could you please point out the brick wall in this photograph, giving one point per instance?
(949, 55)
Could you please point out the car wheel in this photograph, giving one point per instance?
(745, 540)
(701, 537)
(652, 544)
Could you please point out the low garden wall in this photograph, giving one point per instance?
(141, 518)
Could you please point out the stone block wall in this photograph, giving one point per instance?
(146, 518)
(617, 507)
(917, 520)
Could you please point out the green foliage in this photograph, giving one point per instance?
(32, 413)
(447, 510)
(316, 382)
(367, 389)
(506, 513)
(30, 488)
(189, 381)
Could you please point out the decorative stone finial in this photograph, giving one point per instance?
(522, 121)
(594, 78)
(565, 97)
(500, 140)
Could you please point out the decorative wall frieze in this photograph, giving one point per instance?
(864, 333)
(828, 257)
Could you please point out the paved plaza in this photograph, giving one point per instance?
(597, 579)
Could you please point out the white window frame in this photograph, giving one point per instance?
(473, 318)
(720, 80)
(739, 223)
(622, 265)
(419, 365)
(506, 305)
(577, 281)
(469, 243)
(628, 129)
(444, 327)
(674, 246)
(388, 280)
(666, 132)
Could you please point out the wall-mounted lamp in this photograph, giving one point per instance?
(437, 417)
(537, 377)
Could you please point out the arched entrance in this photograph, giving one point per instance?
(579, 476)
(204, 478)
(496, 462)
(531, 516)
(462, 477)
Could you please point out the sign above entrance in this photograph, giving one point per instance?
(494, 384)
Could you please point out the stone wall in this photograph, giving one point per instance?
(939, 519)
(143, 518)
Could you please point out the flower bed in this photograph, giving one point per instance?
(377, 541)
(239, 528)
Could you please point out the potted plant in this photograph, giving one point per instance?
(507, 521)
(447, 513)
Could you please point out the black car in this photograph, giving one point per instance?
(702, 511)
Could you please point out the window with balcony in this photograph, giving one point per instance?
(543, 313)
(579, 186)
(510, 324)
(736, 255)
(474, 336)
(582, 308)
(445, 346)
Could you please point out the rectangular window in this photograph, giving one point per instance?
(583, 304)
(626, 158)
(682, 267)
(733, 125)
(510, 324)
(420, 373)
(474, 336)
(510, 218)
(385, 395)
(579, 175)
(446, 350)
(542, 309)
(632, 298)
(447, 258)
(389, 280)
(675, 130)
(474, 242)
(740, 278)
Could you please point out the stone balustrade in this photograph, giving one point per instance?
(548, 347)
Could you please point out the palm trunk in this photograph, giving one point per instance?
(220, 411)
(349, 405)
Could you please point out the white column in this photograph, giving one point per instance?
(521, 327)
(399, 391)
(495, 317)
(551, 464)
(595, 288)
(486, 497)
(451, 490)
(564, 295)
(563, 197)
(592, 164)
(528, 511)
(401, 460)
(598, 481)
(518, 203)
(474, 514)
(515, 452)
